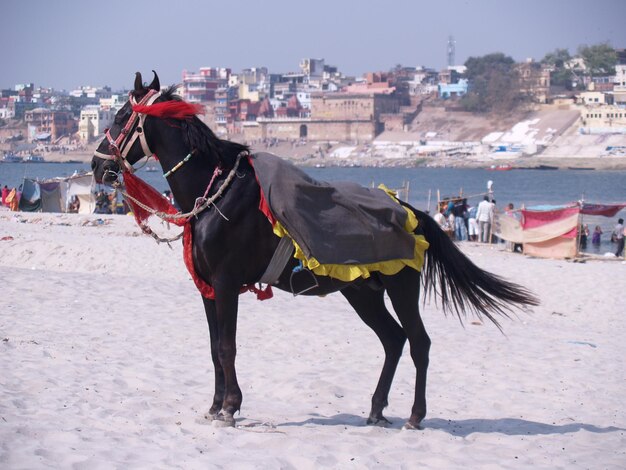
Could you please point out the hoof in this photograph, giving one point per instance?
(224, 420)
(378, 421)
(412, 427)
(210, 416)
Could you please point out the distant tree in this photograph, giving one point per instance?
(494, 84)
(600, 59)
(557, 58)
(561, 74)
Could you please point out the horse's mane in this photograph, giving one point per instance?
(202, 138)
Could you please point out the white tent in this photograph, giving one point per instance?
(82, 187)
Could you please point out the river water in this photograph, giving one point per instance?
(521, 187)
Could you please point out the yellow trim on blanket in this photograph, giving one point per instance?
(350, 272)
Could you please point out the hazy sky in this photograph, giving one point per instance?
(68, 43)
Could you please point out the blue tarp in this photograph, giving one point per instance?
(31, 196)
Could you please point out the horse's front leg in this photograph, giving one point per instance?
(218, 397)
(226, 304)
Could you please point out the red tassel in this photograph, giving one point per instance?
(170, 109)
(263, 294)
(205, 289)
(147, 195)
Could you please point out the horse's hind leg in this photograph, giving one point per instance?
(370, 305)
(218, 397)
(403, 289)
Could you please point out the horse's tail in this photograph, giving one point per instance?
(461, 285)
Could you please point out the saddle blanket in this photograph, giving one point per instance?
(338, 223)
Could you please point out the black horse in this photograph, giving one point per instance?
(233, 244)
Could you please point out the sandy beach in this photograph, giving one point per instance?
(105, 363)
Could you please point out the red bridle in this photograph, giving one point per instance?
(120, 146)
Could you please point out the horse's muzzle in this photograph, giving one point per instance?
(105, 171)
(111, 175)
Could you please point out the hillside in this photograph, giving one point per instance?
(459, 126)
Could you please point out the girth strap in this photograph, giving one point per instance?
(279, 260)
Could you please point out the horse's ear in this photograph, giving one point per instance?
(155, 85)
(138, 83)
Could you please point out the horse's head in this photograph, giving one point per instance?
(125, 141)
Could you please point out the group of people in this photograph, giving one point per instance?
(466, 222)
(11, 197)
(475, 223)
(109, 203)
(596, 236)
(617, 236)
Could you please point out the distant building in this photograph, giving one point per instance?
(603, 119)
(114, 103)
(347, 117)
(460, 69)
(604, 84)
(313, 68)
(25, 92)
(451, 90)
(201, 86)
(591, 98)
(95, 93)
(534, 80)
(619, 80)
(55, 123)
(619, 84)
(421, 81)
(7, 107)
(21, 108)
(93, 121)
(223, 96)
(374, 83)
(252, 83)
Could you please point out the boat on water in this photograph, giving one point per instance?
(35, 159)
(503, 167)
(11, 158)
(587, 168)
(538, 167)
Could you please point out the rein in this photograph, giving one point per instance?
(201, 204)
(184, 219)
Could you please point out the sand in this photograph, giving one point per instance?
(105, 363)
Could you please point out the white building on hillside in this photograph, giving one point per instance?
(93, 122)
(113, 103)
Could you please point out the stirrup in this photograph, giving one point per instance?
(298, 269)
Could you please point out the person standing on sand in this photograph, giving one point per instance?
(472, 224)
(596, 237)
(584, 235)
(5, 193)
(440, 219)
(484, 216)
(511, 212)
(460, 212)
(12, 200)
(618, 231)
